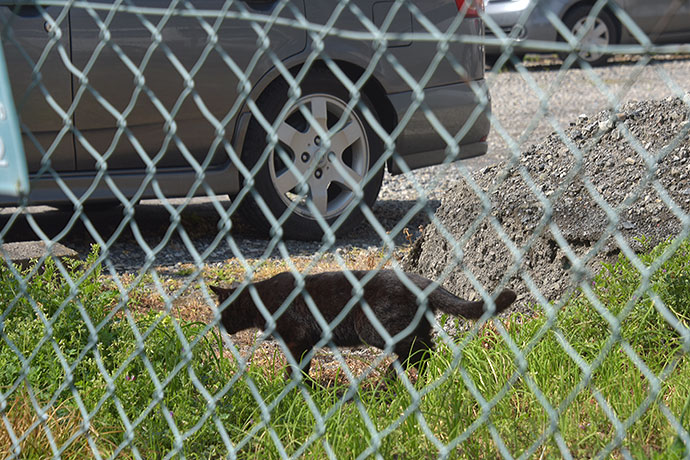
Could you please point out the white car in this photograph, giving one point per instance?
(663, 21)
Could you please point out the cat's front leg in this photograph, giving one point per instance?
(298, 350)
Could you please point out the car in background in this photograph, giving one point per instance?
(136, 104)
(663, 21)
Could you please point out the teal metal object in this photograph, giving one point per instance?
(14, 178)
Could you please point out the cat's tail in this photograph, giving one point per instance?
(441, 299)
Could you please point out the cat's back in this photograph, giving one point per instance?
(330, 291)
(400, 282)
(369, 281)
(335, 289)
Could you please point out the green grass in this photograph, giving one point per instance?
(139, 353)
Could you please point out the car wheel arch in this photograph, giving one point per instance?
(373, 90)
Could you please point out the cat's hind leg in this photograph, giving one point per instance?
(414, 352)
(299, 351)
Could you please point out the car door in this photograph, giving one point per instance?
(31, 38)
(663, 20)
(161, 48)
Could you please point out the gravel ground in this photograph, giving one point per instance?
(611, 171)
(517, 115)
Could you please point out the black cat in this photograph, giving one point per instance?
(393, 304)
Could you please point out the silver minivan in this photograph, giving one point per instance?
(140, 103)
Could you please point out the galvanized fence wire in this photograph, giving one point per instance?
(286, 13)
(572, 46)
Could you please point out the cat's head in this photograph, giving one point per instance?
(221, 293)
(232, 319)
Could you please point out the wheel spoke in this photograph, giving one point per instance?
(320, 112)
(578, 27)
(286, 181)
(344, 138)
(290, 136)
(340, 171)
(583, 24)
(319, 194)
(600, 41)
(600, 31)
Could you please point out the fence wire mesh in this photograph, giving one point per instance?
(294, 110)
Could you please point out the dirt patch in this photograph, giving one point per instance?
(543, 222)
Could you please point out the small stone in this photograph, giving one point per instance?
(606, 125)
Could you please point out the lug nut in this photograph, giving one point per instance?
(318, 173)
(317, 140)
(305, 157)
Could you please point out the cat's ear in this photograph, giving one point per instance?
(221, 293)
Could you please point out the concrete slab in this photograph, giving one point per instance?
(21, 253)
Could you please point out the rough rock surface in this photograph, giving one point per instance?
(550, 202)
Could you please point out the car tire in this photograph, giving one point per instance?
(603, 32)
(328, 177)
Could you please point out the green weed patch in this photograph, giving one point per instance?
(607, 373)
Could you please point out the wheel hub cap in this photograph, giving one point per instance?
(331, 176)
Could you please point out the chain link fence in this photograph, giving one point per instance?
(295, 110)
